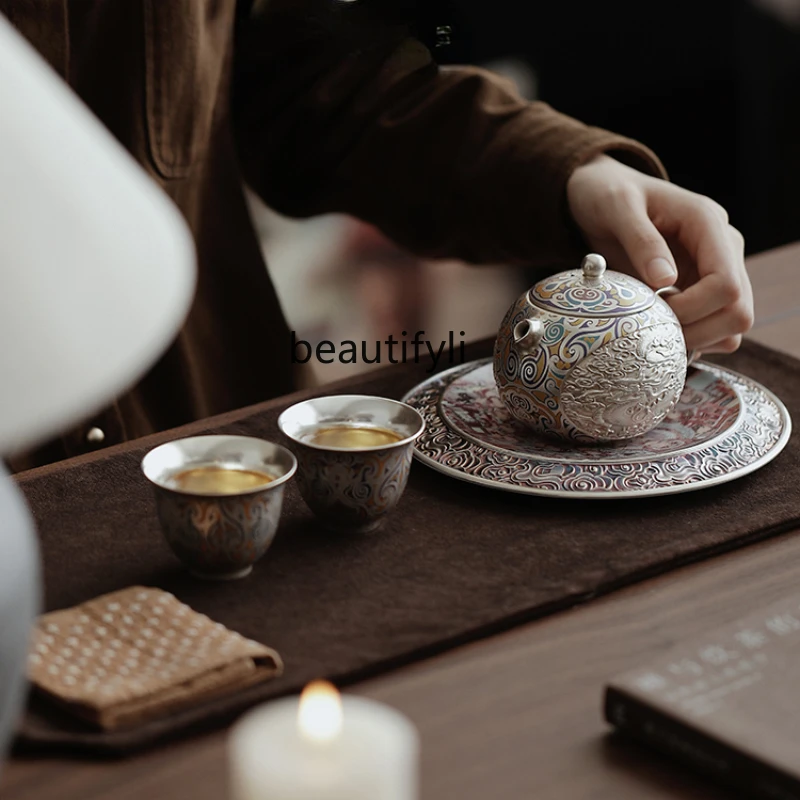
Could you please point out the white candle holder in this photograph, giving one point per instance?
(324, 747)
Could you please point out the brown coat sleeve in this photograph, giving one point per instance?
(343, 112)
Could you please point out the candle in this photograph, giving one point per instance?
(324, 747)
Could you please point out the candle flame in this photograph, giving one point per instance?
(319, 716)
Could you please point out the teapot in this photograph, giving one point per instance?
(590, 355)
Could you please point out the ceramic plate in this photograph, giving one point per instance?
(724, 426)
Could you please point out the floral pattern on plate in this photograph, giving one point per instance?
(725, 426)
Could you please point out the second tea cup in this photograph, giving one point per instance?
(354, 454)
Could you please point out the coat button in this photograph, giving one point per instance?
(95, 436)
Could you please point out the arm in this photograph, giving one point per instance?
(343, 111)
(339, 111)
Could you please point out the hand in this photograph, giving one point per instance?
(667, 235)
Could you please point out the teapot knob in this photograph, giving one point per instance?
(527, 335)
(593, 266)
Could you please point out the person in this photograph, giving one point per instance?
(339, 106)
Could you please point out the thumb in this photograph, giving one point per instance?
(647, 250)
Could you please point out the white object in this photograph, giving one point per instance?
(330, 749)
(19, 600)
(96, 263)
(96, 275)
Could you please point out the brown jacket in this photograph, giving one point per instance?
(320, 106)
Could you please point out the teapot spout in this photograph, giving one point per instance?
(527, 335)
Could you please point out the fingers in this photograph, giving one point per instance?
(645, 247)
(729, 345)
(717, 250)
(717, 309)
(653, 226)
(721, 332)
(709, 295)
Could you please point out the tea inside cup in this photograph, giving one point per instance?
(219, 499)
(354, 456)
(351, 422)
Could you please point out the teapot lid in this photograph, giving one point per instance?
(592, 291)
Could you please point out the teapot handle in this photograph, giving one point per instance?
(527, 335)
(691, 355)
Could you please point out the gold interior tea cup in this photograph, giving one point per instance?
(354, 454)
(219, 500)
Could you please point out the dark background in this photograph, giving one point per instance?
(713, 86)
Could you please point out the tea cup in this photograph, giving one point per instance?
(219, 500)
(354, 455)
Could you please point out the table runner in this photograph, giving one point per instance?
(454, 563)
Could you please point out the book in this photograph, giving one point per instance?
(726, 703)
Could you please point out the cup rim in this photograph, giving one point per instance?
(345, 397)
(273, 484)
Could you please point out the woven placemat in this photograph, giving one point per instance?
(453, 564)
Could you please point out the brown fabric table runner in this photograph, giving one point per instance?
(454, 563)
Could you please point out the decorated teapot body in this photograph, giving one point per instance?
(590, 355)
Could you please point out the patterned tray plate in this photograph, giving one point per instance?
(724, 426)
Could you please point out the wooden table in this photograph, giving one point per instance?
(517, 715)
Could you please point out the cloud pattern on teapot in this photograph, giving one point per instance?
(625, 295)
(590, 355)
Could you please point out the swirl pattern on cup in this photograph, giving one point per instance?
(219, 535)
(353, 490)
